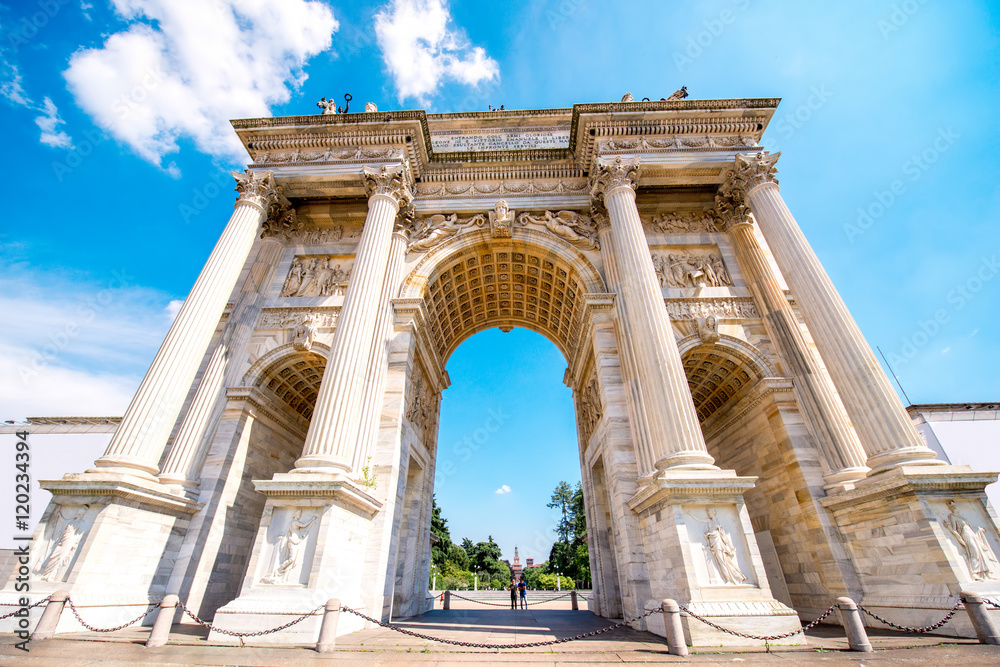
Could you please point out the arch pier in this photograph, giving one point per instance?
(740, 450)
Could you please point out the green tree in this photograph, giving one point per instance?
(562, 500)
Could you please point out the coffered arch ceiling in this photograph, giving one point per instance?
(484, 283)
(294, 380)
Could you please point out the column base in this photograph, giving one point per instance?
(905, 530)
(844, 479)
(125, 465)
(310, 547)
(701, 552)
(907, 456)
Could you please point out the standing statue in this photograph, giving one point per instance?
(975, 547)
(329, 106)
(294, 279)
(720, 543)
(679, 94)
(289, 546)
(65, 546)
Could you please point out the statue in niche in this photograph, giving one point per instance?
(429, 232)
(64, 546)
(979, 556)
(289, 546)
(720, 544)
(304, 334)
(571, 226)
(294, 279)
(501, 220)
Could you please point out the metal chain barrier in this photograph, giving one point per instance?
(906, 628)
(404, 631)
(991, 603)
(141, 616)
(765, 638)
(17, 611)
(241, 635)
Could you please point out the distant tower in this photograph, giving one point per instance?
(515, 568)
(529, 563)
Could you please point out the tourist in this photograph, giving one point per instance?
(523, 590)
(513, 594)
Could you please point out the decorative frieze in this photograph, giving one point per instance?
(285, 318)
(723, 308)
(436, 229)
(330, 154)
(677, 142)
(683, 223)
(317, 276)
(320, 235)
(474, 188)
(691, 268)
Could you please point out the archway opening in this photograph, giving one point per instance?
(507, 442)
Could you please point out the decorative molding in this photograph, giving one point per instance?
(910, 480)
(676, 142)
(465, 188)
(331, 154)
(286, 318)
(724, 308)
(126, 489)
(430, 232)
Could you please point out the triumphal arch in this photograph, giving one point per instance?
(741, 450)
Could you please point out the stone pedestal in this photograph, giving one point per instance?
(919, 536)
(310, 547)
(701, 551)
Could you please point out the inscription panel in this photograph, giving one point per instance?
(498, 140)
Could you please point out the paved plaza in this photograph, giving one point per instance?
(188, 645)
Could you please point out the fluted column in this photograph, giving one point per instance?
(676, 437)
(824, 416)
(332, 439)
(183, 461)
(885, 430)
(378, 362)
(637, 417)
(138, 443)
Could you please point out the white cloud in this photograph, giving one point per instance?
(502, 490)
(946, 350)
(48, 124)
(420, 50)
(173, 308)
(183, 68)
(11, 87)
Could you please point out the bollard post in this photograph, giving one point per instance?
(447, 600)
(327, 642)
(674, 630)
(857, 638)
(985, 629)
(164, 621)
(572, 597)
(46, 627)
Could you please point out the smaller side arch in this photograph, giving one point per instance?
(259, 368)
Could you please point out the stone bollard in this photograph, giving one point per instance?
(46, 627)
(164, 621)
(672, 624)
(857, 638)
(327, 642)
(447, 600)
(985, 629)
(572, 597)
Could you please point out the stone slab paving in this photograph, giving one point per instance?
(380, 646)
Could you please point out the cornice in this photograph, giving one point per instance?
(911, 480)
(149, 494)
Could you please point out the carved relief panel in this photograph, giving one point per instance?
(65, 531)
(317, 275)
(721, 555)
(291, 543)
(691, 267)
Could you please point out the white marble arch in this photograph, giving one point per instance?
(747, 352)
(259, 369)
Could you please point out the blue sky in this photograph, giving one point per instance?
(117, 140)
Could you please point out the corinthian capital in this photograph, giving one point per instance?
(389, 181)
(609, 176)
(730, 211)
(259, 190)
(749, 172)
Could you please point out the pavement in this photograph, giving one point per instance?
(825, 645)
